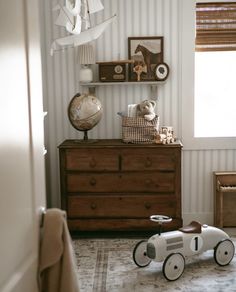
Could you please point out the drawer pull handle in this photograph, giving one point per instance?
(148, 162)
(147, 205)
(92, 163)
(148, 182)
(93, 181)
(93, 206)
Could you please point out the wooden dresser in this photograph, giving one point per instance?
(112, 186)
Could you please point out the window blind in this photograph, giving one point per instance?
(216, 26)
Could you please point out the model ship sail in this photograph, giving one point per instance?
(95, 6)
(76, 20)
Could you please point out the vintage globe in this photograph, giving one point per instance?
(85, 112)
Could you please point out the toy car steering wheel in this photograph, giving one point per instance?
(160, 219)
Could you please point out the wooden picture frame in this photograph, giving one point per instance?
(147, 53)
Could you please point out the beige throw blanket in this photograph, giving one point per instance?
(57, 268)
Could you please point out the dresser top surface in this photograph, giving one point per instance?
(109, 143)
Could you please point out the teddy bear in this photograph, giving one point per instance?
(146, 108)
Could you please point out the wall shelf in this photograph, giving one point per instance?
(153, 85)
(92, 84)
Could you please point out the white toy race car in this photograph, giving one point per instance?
(174, 246)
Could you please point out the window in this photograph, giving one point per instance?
(215, 70)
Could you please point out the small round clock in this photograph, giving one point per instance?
(118, 69)
(161, 71)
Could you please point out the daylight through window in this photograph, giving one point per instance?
(215, 70)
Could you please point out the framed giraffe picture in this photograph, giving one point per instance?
(147, 54)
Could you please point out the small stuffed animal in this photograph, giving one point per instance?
(160, 139)
(166, 136)
(146, 109)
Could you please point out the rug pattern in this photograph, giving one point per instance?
(106, 265)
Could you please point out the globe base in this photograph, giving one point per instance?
(86, 140)
(90, 141)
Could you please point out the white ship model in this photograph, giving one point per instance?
(75, 17)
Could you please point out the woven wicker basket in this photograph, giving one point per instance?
(139, 130)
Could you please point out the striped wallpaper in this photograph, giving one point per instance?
(61, 83)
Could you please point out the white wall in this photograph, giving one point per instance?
(134, 18)
(22, 173)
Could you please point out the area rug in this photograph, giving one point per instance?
(106, 265)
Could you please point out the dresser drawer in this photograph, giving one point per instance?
(138, 160)
(110, 185)
(91, 160)
(126, 182)
(120, 206)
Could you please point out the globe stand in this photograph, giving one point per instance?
(84, 112)
(86, 140)
(86, 135)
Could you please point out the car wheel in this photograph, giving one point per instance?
(173, 266)
(140, 254)
(224, 252)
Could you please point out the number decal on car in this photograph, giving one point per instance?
(196, 243)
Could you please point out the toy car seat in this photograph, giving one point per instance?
(193, 227)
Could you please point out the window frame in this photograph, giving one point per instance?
(187, 84)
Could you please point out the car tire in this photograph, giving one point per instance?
(140, 254)
(173, 266)
(224, 252)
